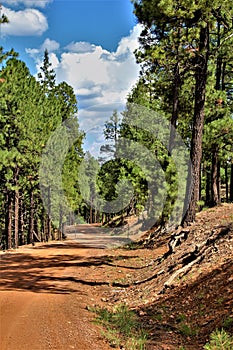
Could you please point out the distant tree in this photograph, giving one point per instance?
(47, 75)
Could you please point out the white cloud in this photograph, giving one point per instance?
(28, 3)
(99, 76)
(50, 45)
(80, 47)
(54, 61)
(24, 23)
(101, 79)
(38, 54)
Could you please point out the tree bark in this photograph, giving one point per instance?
(60, 223)
(198, 124)
(49, 216)
(219, 181)
(208, 186)
(31, 218)
(231, 182)
(214, 179)
(226, 182)
(21, 222)
(8, 219)
(16, 236)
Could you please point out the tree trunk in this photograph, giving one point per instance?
(43, 225)
(8, 219)
(31, 218)
(36, 229)
(200, 184)
(21, 222)
(226, 182)
(214, 179)
(16, 209)
(208, 187)
(60, 223)
(90, 213)
(16, 218)
(219, 182)
(231, 182)
(198, 124)
(49, 216)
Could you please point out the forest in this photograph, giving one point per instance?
(185, 88)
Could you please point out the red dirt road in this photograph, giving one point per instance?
(44, 292)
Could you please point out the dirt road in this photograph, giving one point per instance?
(44, 292)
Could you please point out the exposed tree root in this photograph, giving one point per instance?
(186, 261)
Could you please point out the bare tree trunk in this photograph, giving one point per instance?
(8, 219)
(60, 223)
(208, 186)
(16, 218)
(90, 213)
(219, 181)
(231, 182)
(214, 179)
(16, 208)
(226, 181)
(31, 218)
(198, 124)
(21, 222)
(49, 216)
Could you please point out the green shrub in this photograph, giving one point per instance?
(121, 326)
(227, 323)
(219, 340)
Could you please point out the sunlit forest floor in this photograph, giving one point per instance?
(47, 290)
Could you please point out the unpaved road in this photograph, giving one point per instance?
(44, 292)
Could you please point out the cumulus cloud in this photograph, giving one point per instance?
(99, 76)
(80, 47)
(28, 3)
(101, 79)
(24, 23)
(50, 45)
(38, 54)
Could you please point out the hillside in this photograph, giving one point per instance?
(181, 299)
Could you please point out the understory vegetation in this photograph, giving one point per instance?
(122, 326)
(219, 339)
(122, 329)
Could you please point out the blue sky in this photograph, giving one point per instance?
(91, 45)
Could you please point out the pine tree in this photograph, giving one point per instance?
(178, 42)
(47, 75)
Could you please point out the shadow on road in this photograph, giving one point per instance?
(60, 272)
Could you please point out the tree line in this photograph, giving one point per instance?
(30, 112)
(186, 79)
